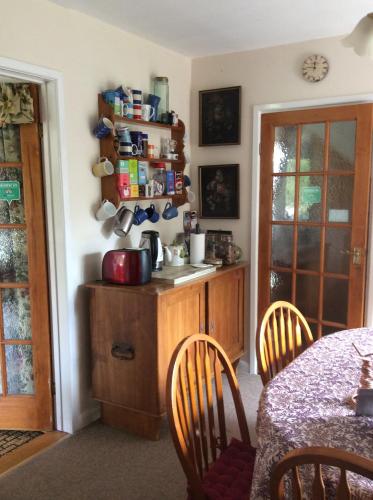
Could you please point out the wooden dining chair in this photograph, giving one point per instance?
(319, 456)
(213, 467)
(282, 334)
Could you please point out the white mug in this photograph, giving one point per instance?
(105, 210)
(103, 167)
(147, 112)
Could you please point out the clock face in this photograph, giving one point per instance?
(315, 68)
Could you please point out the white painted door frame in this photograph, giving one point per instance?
(57, 219)
(255, 194)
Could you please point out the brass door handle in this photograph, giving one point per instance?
(356, 253)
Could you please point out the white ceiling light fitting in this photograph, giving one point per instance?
(361, 38)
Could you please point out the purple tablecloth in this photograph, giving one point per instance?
(307, 404)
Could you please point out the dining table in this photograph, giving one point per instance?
(309, 403)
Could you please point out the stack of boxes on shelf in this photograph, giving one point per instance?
(134, 180)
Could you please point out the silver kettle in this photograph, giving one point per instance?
(151, 240)
(123, 221)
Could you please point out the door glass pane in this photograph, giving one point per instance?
(282, 246)
(307, 296)
(339, 204)
(310, 196)
(342, 145)
(314, 329)
(19, 369)
(327, 330)
(308, 254)
(283, 198)
(284, 149)
(337, 240)
(12, 213)
(2, 154)
(280, 286)
(11, 141)
(335, 300)
(312, 147)
(16, 313)
(13, 255)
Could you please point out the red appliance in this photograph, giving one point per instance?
(128, 266)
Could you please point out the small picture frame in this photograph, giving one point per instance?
(219, 191)
(219, 117)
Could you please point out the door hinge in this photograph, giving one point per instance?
(41, 131)
(53, 388)
(260, 149)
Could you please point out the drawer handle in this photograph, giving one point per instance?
(123, 351)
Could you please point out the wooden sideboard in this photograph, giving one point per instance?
(135, 329)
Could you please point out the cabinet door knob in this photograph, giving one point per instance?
(123, 351)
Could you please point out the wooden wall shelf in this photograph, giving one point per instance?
(107, 149)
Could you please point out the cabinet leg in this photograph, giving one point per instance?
(142, 424)
(235, 364)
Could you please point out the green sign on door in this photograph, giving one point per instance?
(10, 191)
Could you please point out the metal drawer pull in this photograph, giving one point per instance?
(123, 351)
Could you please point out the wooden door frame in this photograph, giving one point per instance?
(61, 289)
(255, 196)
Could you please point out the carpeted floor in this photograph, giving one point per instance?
(101, 463)
(10, 440)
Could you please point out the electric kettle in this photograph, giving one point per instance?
(152, 241)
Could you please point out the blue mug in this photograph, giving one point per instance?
(103, 128)
(140, 215)
(187, 181)
(170, 211)
(153, 215)
(127, 148)
(154, 101)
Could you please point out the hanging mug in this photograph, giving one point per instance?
(103, 167)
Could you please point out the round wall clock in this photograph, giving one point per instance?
(315, 68)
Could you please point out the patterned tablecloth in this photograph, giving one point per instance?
(307, 404)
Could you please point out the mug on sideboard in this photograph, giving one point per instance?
(137, 111)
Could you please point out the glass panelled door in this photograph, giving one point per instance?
(25, 371)
(315, 181)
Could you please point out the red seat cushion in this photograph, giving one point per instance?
(230, 476)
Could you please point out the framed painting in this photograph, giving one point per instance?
(219, 191)
(219, 117)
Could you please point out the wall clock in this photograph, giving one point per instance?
(315, 68)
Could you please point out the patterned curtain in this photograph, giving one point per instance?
(16, 104)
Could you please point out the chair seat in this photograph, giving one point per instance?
(231, 475)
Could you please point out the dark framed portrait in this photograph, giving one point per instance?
(219, 116)
(219, 192)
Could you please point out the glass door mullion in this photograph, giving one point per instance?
(296, 210)
(323, 220)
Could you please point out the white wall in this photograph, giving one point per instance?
(92, 56)
(267, 76)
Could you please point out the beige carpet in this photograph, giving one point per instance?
(100, 463)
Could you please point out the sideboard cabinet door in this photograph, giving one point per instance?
(180, 314)
(226, 311)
